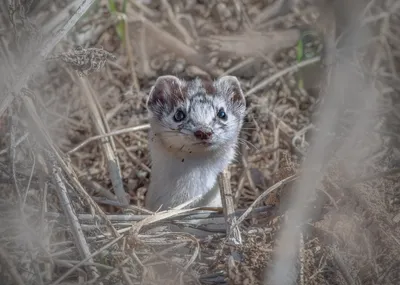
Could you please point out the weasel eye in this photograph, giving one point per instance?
(179, 116)
(221, 114)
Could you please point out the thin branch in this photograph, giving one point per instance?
(343, 269)
(129, 51)
(269, 12)
(44, 136)
(145, 10)
(112, 272)
(80, 241)
(108, 147)
(264, 195)
(100, 250)
(174, 21)
(160, 216)
(126, 277)
(30, 180)
(115, 203)
(13, 156)
(6, 260)
(239, 65)
(195, 215)
(61, 16)
(232, 229)
(246, 168)
(281, 73)
(113, 133)
(136, 160)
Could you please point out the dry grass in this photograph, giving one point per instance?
(74, 163)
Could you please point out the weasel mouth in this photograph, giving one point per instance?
(204, 143)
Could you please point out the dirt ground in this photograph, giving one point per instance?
(74, 161)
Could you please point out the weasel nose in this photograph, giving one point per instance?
(202, 135)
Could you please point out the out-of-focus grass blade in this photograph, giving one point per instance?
(94, 9)
(304, 51)
(299, 58)
(120, 27)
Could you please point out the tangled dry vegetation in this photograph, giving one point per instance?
(74, 163)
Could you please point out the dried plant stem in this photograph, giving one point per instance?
(42, 52)
(187, 38)
(136, 160)
(7, 263)
(43, 225)
(143, 55)
(276, 144)
(232, 229)
(129, 51)
(113, 133)
(70, 263)
(80, 241)
(240, 65)
(76, 266)
(264, 195)
(44, 135)
(96, 187)
(13, 145)
(61, 16)
(343, 269)
(144, 9)
(185, 217)
(12, 148)
(112, 272)
(115, 203)
(175, 45)
(126, 277)
(29, 181)
(269, 12)
(246, 168)
(281, 73)
(112, 159)
(160, 216)
(302, 259)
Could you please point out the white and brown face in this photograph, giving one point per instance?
(196, 116)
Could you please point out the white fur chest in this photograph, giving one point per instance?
(179, 177)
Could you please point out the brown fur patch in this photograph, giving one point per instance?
(169, 90)
(237, 96)
(208, 86)
(179, 92)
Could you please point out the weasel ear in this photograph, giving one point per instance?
(229, 86)
(166, 90)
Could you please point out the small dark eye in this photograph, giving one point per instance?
(179, 116)
(221, 114)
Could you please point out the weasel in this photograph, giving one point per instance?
(193, 137)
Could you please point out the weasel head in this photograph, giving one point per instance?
(196, 116)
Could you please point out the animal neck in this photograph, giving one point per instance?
(177, 176)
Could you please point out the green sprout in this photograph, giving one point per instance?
(120, 27)
(305, 51)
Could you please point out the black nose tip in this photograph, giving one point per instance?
(202, 135)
